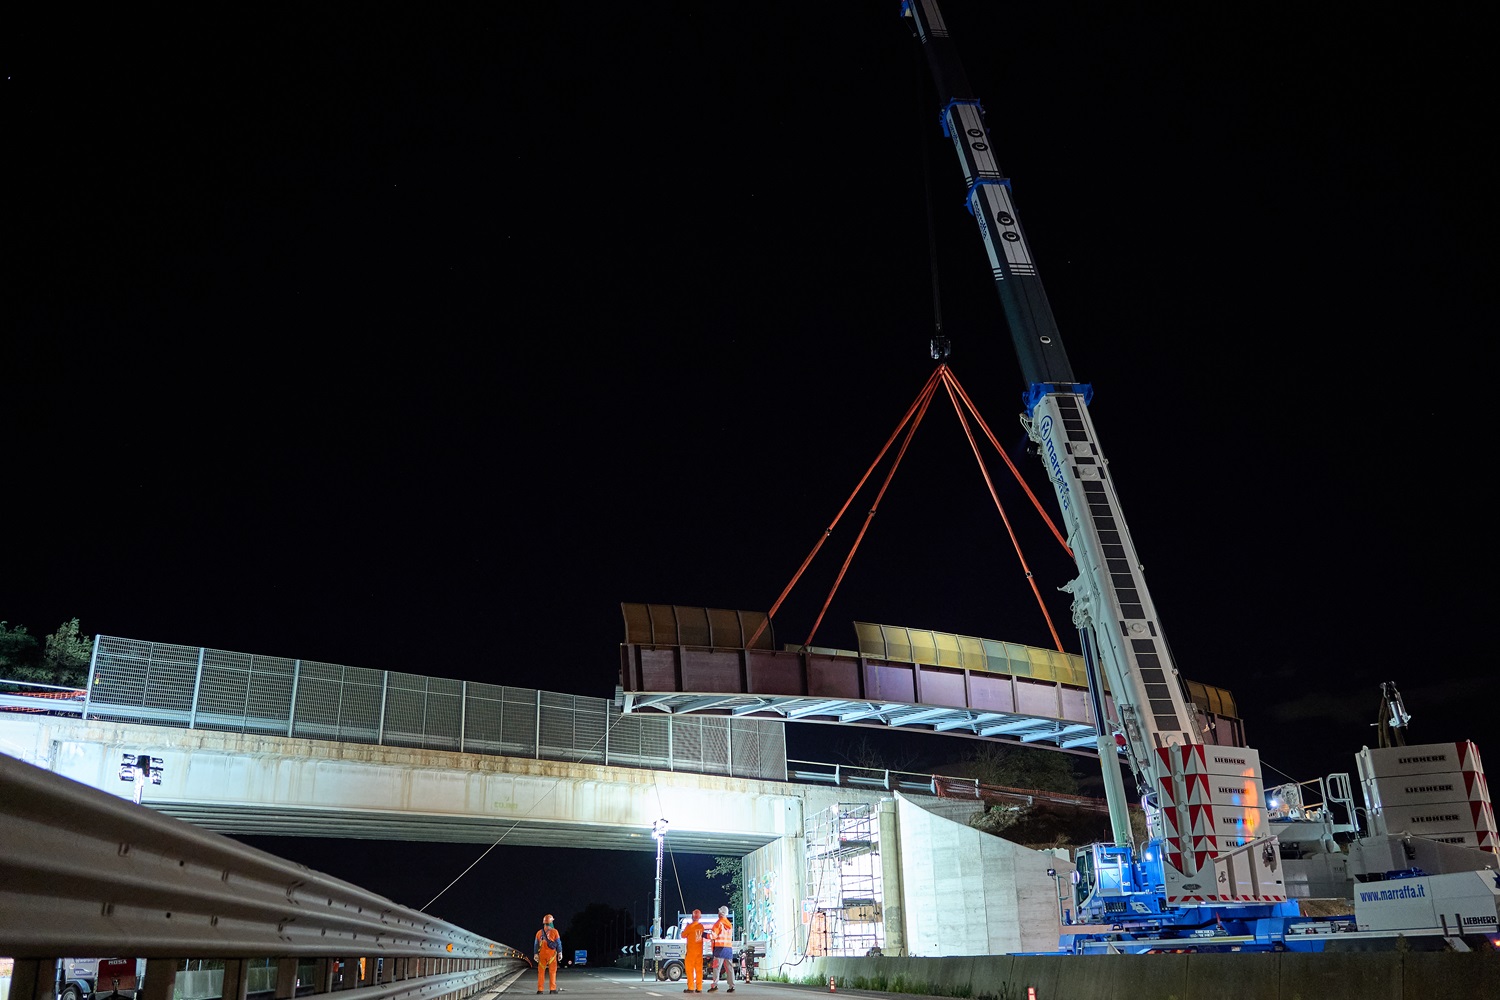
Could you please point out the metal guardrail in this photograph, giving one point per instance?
(83, 872)
(884, 779)
(942, 786)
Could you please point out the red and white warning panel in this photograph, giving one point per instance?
(1212, 805)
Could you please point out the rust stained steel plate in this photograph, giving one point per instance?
(682, 625)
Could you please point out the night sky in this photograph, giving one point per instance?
(421, 339)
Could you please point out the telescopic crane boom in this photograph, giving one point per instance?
(1204, 805)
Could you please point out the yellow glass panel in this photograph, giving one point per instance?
(1041, 663)
(946, 645)
(971, 652)
(923, 648)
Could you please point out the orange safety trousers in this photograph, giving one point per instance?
(546, 962)
(694, 965)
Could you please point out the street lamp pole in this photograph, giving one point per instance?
(659, 832)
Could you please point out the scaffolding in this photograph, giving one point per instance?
(844, 899)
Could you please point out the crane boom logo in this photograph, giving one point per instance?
(1061, 481)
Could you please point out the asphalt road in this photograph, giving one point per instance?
(619, 984)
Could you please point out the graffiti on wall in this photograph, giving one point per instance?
(762, 883)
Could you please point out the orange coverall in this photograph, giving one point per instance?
(693, 958)
(548, 950)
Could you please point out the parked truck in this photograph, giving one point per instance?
(86, 978)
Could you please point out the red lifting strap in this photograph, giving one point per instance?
(941, 376)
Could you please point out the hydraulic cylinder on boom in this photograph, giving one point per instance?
(1205, 810)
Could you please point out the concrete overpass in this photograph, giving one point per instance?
(243, 784)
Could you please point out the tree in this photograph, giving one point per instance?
(19, 651)
(865, 754)
(1021, 767)
(62, 659)
(66, 654)
(734, 870)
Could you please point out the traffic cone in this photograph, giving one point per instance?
(833, 985)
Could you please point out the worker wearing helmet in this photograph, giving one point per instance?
(546, 949)
(723, 935)
(692, 958)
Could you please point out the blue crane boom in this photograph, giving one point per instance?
(1207, 821)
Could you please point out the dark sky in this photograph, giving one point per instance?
(422, 339)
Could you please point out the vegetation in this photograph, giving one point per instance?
(61, 658)
(1019, 767)
(733, 870)
(863, 753)
(1041, 825)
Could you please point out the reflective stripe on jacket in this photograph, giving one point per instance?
(723, 933)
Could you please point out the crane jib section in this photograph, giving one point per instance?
(1110, 596)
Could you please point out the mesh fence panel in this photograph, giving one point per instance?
(573, 727)
(243, 693)
(153, 676)
(240, 692)
(337, 703)
(500, 720)
(422, 711)
(640, 741)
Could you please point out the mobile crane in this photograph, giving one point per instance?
(1210, 876)
(1210, 864)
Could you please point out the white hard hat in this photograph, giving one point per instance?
(723, 911)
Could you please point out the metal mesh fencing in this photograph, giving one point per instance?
(198, 688)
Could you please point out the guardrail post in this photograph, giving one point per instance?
(291, 715)
(34, 979)
(197, 687)
(88, 694)
(236, 979)
(323, 976)
(385, 680)
(286, 978)
(161, 979)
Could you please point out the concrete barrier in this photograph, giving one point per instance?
(1252, 976)
(1372, 975)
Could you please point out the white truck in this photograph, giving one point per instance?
(669, 954)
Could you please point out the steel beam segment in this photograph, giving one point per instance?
(921, 716)
(1021, 725)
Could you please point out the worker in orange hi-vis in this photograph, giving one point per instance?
(692, 957)
(723, 935)
(546, 949)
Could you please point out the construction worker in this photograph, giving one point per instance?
(692, 957)
(546, 949)
(723, 935)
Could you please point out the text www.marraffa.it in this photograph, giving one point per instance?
(1405, 892)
